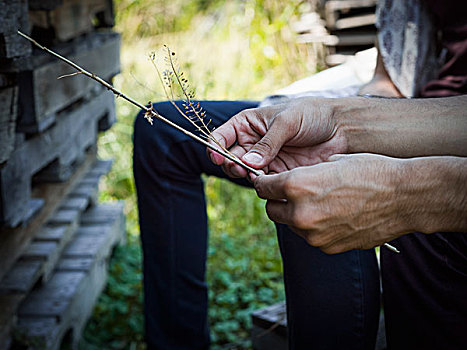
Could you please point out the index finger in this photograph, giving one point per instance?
(272, 186)
(225, 135)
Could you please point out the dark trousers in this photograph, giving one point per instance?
(332, 300)
(425, 292)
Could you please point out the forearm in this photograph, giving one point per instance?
(404, 128)
(433, 194)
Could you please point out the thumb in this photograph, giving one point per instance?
(266, 149)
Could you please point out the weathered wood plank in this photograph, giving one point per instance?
(103, 213)
(53, 298)
(47, 253)
(101, 167)
(21, 278)
(334, 9)
(76, 131)
(8, 114)
(50, 250)
(39, 333)
(75, 264)
(269, 330)
(69, 296)
(84, 190)
(71, 306)
(52, 233)
(96, 238)
(107, 213)
(14, 240)
(87, 245)
(73, 18)
(14, 16)
(344, 39)
(8, 304)
(79, 203)
(65, 217)
(42, 95)
(356, 21)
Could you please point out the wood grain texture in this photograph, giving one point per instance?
(8, 114)
(69, 296)
(14, 16)
(42, 96)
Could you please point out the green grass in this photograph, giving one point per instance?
(228, 50)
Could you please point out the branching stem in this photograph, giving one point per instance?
(149, 110)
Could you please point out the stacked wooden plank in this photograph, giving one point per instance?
(344, 26)
(269, 330)
(55, 238)
(53, 285)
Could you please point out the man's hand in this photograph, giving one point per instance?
(278, 138)
(349, 202)
(361, 201)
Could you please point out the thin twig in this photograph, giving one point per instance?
(68, 75)
(391, 248)
(149, 110)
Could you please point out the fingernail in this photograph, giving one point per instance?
(253, 158)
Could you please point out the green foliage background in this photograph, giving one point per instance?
(241, 49)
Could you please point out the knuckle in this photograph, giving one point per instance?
(290, 186)
(265, 145)
(298, 218)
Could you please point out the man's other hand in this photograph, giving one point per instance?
(278, 138)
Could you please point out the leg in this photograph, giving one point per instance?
(342, 293)
(425, 291)
(333, 301)
(172, 214)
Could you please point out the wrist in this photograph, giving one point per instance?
(433, 194)
(351, 119)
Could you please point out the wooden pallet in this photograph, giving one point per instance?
(40, 257)
(65, 302)
(71, 19)
(13, 241)
(49, 240)
(337, 13)
(42, 96)
(50, 156)
(269, 330)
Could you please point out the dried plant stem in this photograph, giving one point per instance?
(149, 110)
(391, 248)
